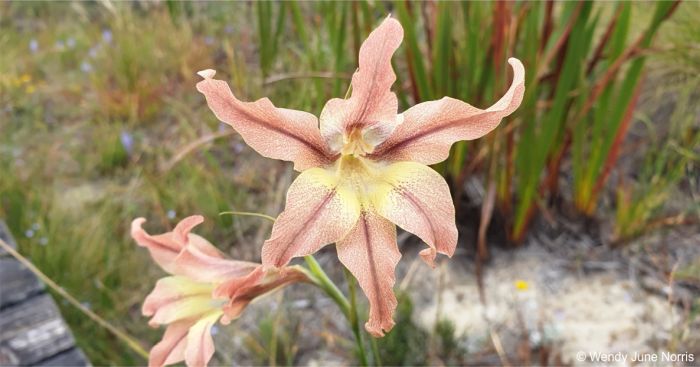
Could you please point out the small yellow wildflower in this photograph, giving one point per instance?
(25, 78)
(522, 285)
(30, 89)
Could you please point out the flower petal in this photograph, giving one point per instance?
(275, 133)
(184, 227)
(237, 291)
(171, 348)
(198, 266)
(371, 254)
(429, 129)
(242, 291)
(318, 211)
(164, 248)
(178, 298)
(201, 244)
(372, 106)
(418, 200)
(236, 286)
(200, 344)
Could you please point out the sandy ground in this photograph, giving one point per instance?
(530, 292)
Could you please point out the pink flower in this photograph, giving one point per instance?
(204, 287)
(364, 168)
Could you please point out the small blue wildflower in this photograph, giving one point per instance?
(127, 141)
(33, 45)
(209, 40)
(35, 226)
(171, 214)
(70, 42)
(43, 241)
(107, 35)
(85, 67)
(29, 233)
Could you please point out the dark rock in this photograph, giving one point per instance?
(33, 331)
(18, 283)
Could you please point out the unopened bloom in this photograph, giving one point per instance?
(204, 288)
(364, 168)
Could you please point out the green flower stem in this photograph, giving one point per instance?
(250, 214)
(354, 320)
(375, 352)
(349, 309)
(321, 279)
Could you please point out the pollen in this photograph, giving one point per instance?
(354, 144)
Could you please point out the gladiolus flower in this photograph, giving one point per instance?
(203, 289)
(364, 169)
